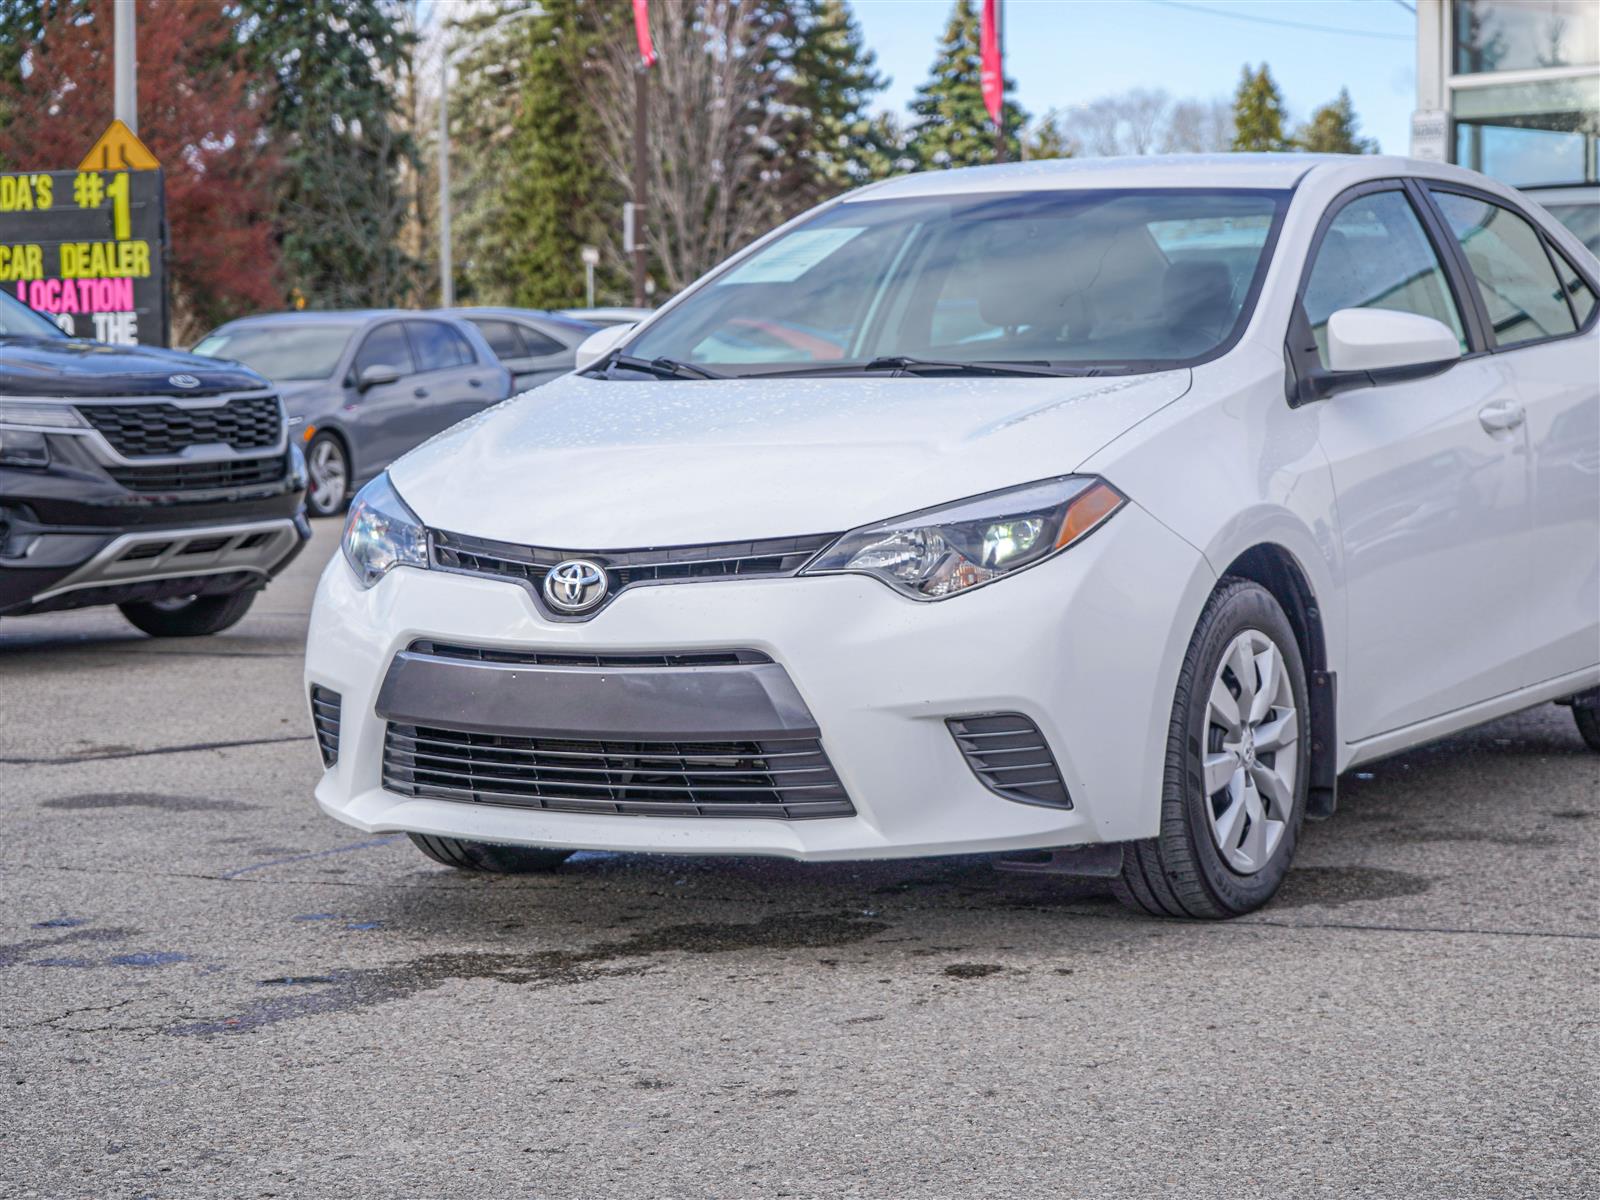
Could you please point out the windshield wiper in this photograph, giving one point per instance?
(661, 368)
(929, 366)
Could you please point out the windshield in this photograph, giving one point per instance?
(1119, 280)
(18, 320)
(281, 352)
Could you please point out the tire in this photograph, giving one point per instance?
(194, 616)
(483, 856)
(1223, 853)
(328, 471)
(1588, 718)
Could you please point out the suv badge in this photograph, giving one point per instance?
(183, 381)
(575, 586)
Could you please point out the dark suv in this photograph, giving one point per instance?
(160, 482)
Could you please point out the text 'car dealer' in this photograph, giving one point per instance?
(1113, 505)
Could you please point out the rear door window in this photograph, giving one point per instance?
(386, 346)
(437, 346)
(1513, 273)
(539, 344)
(504, 339)
(1376, 255)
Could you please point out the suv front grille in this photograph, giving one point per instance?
(156, 429)
(1010, 757)
(787, 779)
(626, 568)
(202, 476)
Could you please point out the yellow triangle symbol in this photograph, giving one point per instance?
(119, 149)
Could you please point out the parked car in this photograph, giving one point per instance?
(364, 387)
(1576, 206)
(160, 482)
(617, 315)
(1109, 509)
(534, 345)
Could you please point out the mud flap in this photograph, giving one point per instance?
(1322, 796)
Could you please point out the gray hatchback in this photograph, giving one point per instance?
(362, 388)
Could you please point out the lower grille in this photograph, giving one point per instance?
(784, 779)
(1010, 757)
(325, 720)
(194, 477)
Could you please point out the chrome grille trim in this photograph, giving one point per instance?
(568, 658)
(1010, 757)
(527, 565)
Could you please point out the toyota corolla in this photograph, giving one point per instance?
(1097, 513)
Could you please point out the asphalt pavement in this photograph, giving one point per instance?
(209, 989)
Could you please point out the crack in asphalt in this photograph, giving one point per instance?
(73, 760)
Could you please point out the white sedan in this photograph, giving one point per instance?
(1104, 508)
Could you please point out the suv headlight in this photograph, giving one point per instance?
(381, 533)
(40, 413)
(939, 552)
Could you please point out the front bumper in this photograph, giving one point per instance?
(1087, 646)
(71, 535)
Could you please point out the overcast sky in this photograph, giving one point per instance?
(1067, 52)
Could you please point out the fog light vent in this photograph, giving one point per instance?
(1009, 755)
(325, 719)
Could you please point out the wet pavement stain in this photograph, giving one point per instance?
(18, 952)
(972, 970)
(1416, 835)
(363, 987)
(1333, 886)
(156, 800)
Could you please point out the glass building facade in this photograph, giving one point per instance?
(1519, 81)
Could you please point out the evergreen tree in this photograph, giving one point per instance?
(951, 126)
(534, 190)
(833, 138)
(1047, 139)
(1258, 114)
(351, 165)
(1334, 129)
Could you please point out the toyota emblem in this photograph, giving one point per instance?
(575, 586)
(183, 381)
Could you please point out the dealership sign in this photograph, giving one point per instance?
(87, 249)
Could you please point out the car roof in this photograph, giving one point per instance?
(1268, 171)
(341, 316)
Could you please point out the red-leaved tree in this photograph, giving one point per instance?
(201, 113)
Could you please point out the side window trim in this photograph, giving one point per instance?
(1306, 380)
(1463, 285)
(1427, 186)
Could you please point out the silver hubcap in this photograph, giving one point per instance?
(328, 476)
(1252, 752)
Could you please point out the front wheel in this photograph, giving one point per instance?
(1586, 712)
(484, 856)
(1236, 766)
(189, 616)
(328, 471)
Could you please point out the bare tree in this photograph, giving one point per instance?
(1148, 121)
(710, 131)
(1198, 127)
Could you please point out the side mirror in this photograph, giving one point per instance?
(377, 375)
(1376, 339)
(599, 344)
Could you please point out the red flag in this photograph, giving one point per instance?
(641, 27)
(993, 72)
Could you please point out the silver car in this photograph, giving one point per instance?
(362, 388)
(534, 345)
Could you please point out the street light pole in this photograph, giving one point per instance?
(447, 282)
(641, 177)
(125, 66)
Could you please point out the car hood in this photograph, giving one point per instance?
(73, 367)
(587, 464)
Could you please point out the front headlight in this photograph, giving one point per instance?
(41, 413)
(381, 533)
(939, 552)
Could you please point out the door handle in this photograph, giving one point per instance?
(475, 382)
(420, 393)
(1500, 415)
